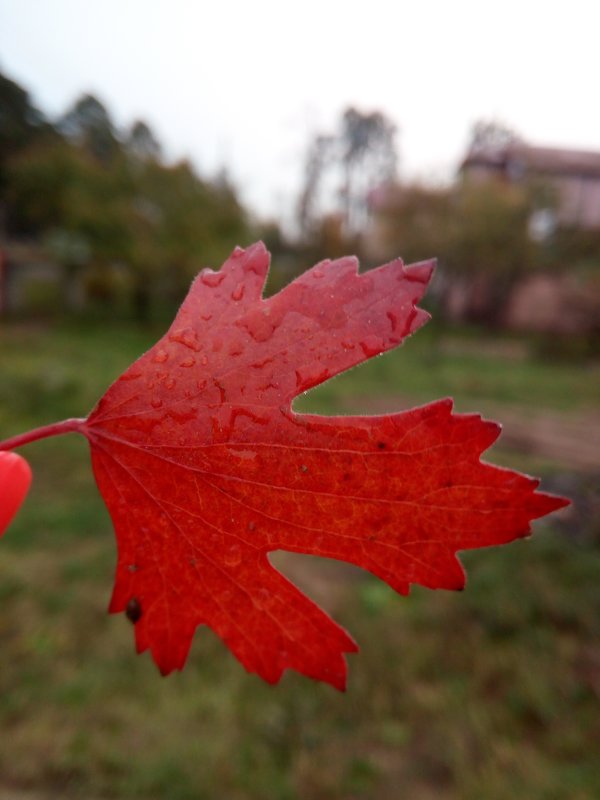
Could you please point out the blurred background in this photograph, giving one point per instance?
(140, 142)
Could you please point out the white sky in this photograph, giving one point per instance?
(247, 81)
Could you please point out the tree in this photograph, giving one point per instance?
(174, 221)
(489, 136)
(20, 120)
(480, 232)
(369, 158)
(413, 220)
(317, 157)
(21, 124)
(342, 168)
(141, 143)
(100, 202)
(89, 125)
(489, 245)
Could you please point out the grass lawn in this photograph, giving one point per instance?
(491, 693)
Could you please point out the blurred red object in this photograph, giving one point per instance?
(15, 479)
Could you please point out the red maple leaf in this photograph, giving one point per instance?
(206, 469)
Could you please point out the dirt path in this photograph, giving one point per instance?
(569, 440)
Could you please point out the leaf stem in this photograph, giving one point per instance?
(56, 429)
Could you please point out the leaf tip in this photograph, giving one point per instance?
(545, 503)
(421, 271)
(420, 318)
(255, 258)
(337, 675)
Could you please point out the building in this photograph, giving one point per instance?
(573, 175)
(30, 282)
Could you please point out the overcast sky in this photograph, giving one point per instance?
(247, 82)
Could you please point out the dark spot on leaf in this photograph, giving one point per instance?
(303, 468)
(132, 568)
(381, 445)
(133, 610)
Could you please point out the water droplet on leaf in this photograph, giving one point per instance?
(238, 292)
(187, 337)
(372, 346)
(160, 356)
(212, 279)
(233, 555)
(131, 375)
